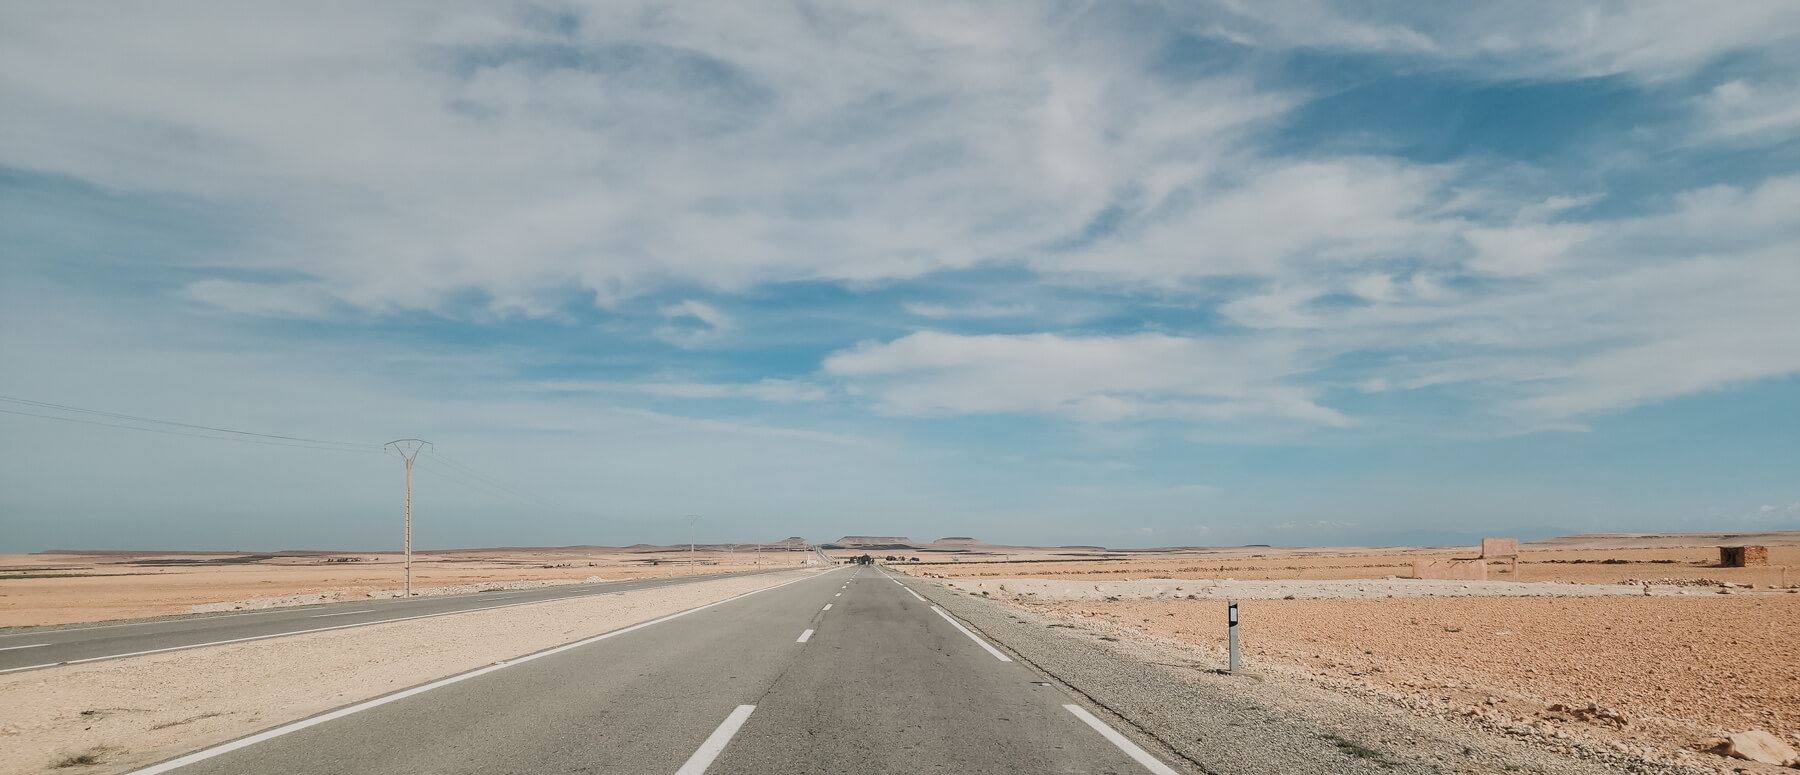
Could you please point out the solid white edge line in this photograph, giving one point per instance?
(972, 636)
(342, 613)
(715, 743)
(914, 594)
(1131, 749)
(41, 645)
(208, 753)
(804, 637)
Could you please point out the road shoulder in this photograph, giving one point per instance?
(1239, 724)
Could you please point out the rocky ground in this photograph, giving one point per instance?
(1275, 722)
(1657, 680)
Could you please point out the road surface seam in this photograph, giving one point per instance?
(245, 742)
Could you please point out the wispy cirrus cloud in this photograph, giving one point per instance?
(1141, 376)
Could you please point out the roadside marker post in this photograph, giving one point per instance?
(1231, 611)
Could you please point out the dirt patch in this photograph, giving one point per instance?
(1665, 673)
(126, 713)
(1580, 566)
(65, 589)
(1364, 589)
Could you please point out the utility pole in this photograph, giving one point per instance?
(409, 450)
(692, 518)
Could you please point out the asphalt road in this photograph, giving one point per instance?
(845, 671)
(31, 648)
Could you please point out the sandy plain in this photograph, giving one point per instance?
(1582, 565)
(1670, 672)
(43, 589)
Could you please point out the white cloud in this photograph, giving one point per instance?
(693, 324)
(1523, 249)
(1647, 308)
(773, 390)
(941, 311)
(1738, 112)
(1140, 376)
(413, 155)
(1279, 215)
(278, 300)
(1652, 39)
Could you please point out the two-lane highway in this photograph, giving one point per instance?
(844, 671)
(38, 647)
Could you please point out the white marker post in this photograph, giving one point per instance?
(1231, 612)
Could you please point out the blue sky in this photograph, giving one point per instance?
(1126, 273)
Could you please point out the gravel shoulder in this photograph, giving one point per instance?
(1243, 724)
(130, 712)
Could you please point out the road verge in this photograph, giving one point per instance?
(113, 716)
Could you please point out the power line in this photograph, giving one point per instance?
(135, 418)
(456, 472)
(475, 485)
(191, 435)
(496, 485)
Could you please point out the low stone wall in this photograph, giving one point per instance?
(1454, 570)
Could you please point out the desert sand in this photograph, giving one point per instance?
(1586, 564)
(41, 589)
(1579, 651)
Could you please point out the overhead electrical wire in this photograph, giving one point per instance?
(475, 485)
(495, 483)
(365, 448)
(318, 443)
(451, 469)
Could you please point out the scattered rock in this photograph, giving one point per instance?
(1758, 746)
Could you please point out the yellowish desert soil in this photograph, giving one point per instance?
(1580, 566)
(137, 710)
(63, 589)
(1679, 669)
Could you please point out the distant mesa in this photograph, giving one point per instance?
(956, 540)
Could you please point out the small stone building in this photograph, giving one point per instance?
(1741, 556)
(1496, 548)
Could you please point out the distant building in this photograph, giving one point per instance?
(1741, 556)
